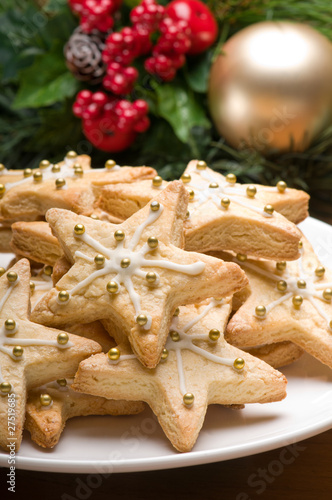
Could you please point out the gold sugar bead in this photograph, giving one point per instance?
(164, 354)
(301, 284)
(79, 229)
(32, 286)
(185, 178)
(260, 311)
(214, 334)
(141, 319)
(188, 399)
(239, 363)
(10, 324)
(231, 178)
(56, 169)
(63, 338)
(225, 202)
(2, 167)
(281, 186)
(119, 235)
(44, 164)
(241, 257)
(94, 216)
(151, 277)
(2, 271)
(281, 266)
(176, 312)
(63, 296)
(282, 285)
(12, 276)
(269, 209)
(251, 191)
(320, 271)
(114, 354)
(153, 242)
(37, 176)
(45, 399)
(27, 172)
(201, 165)
(62, 382)
(99, 260)
(78, 170)
(71, 155)
(155, 206)
(125, 263)
(300, 245)
(112, 287)
(191, 193)
(18, 351)
(214, 185)
(60, 183)
(5, 387)
(175, 336)
(48, 270)
(2, 189)
(297, 300)
(327, 294)
(110, 164)
(187, 214)
(157, 181)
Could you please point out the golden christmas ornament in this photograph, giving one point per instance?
(270, 87)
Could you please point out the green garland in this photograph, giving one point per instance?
(37, 92)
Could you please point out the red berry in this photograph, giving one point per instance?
(204, 28)
(142, 125)
(107, 140)
(99, 98)
(84, 96)
(141, 107)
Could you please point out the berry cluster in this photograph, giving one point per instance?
(110, 123)
(168, 55)
(95, 14)
(177, 31)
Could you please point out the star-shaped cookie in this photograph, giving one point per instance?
(71, 184)
(288, 301)
(198, 368)
(30, 354)
(133, 274)
(224, 215)
(49, 407)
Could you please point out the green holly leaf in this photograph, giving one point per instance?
(180, 107)
(46, 81)
(197, 72)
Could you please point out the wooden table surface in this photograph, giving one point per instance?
(302, 471)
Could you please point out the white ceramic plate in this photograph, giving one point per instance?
(127, 444)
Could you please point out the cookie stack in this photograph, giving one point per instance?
(188, 293)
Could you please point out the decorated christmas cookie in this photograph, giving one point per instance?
(49, 407)
(288, 301)
(223, 214)
(133, 274)
(71, 184)
(30, 354)
(197, 368)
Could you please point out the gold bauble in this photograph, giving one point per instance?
(270, 88)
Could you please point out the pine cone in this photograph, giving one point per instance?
(83, 53)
